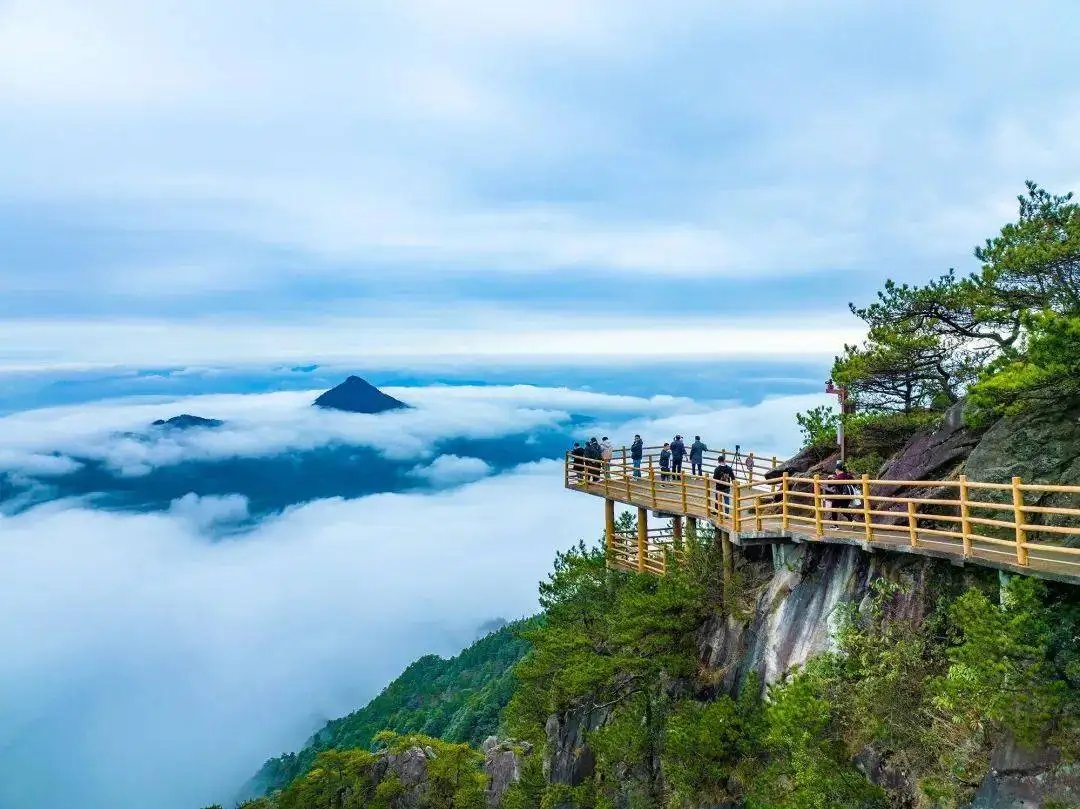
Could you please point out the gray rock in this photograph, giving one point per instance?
(1040, 448)
(503, 769)
(1031, 790)
(569, 759)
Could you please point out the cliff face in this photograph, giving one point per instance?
(793, 618)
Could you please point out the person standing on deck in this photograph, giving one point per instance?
(593, 458)
(578, 454)
(636, 451)
(697, 454)
(665, 461)
(678, 452)
(606, 451)
(842, 493)
(722, 477)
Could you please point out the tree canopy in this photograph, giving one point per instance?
(1006, 333)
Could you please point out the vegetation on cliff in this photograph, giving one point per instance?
(457, 700)
(1007, 337)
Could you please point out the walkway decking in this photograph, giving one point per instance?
(968, 522)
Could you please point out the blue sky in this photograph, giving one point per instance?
(188, 180)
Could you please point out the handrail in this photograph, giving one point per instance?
(968, 519)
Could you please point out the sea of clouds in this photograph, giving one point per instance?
(150, 661)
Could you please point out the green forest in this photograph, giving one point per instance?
(928, 693)
(457, 700)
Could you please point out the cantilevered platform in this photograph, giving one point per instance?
(997, 525)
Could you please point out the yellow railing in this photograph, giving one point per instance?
(1001, 524)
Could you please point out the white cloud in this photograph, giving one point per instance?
(418, 334)
(740, 139)
(208, 512)
(148, 665)
(449, 470)
(263, 425)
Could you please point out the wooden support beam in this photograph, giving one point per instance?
(691, 528)
(676, 531)
(609, 525)
(642, 537)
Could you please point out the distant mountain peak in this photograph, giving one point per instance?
(185, 421)
(356, 395)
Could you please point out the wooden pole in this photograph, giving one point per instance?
(626, 473)
(652, 482)
(642, 537)
(866, 508)
(676, 531)
(818, 526)
(691, 528)
(733, 493)
(913, 524)
(1021, 532)
(757, 512)
(965, 516)
(682, 477)
(784, 502)
(750, 468)
(566, 470)
(609, 524)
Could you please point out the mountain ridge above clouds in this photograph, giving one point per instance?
(356, 395)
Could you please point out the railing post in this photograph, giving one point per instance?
(626, 473)
(866, 508)
(913, 524)
(750, 468)
(733, 491)
(652, 482)
(566, 470)
(784, 502)
(775, 462)
(965, 516)
(682, 477)
(607, 478)
(708, 495)
(642, 537)
(757, 513)
(818, 526)
(609, 525)
(1020, 518)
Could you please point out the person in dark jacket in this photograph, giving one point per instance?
(723, 475)
(678, 452)
(593, 458)
(636, 450)
(697, 454)
(665, 461)
(578, 455)
(842, 495)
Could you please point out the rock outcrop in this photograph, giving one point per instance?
(794, 616)
(502, 765)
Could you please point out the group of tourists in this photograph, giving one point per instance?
(592, 460)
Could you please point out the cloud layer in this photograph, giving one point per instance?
(150, 665)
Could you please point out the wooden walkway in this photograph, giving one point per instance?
(998, 525)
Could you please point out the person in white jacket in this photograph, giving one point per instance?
(606, 451)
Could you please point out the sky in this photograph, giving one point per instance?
(654, 213)
(184, 183)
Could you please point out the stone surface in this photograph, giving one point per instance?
(502, 764)
(569, 759)
(1039, 448)
(1029, 790)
